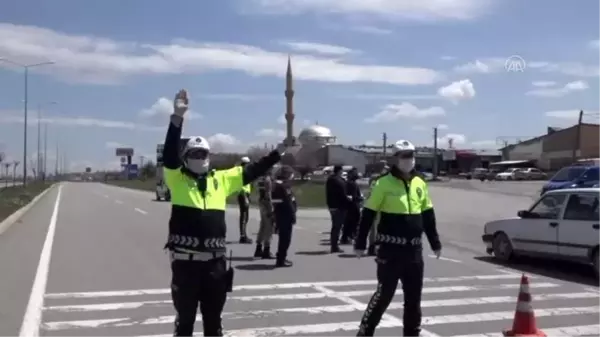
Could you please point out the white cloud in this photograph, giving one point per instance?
(595, 44)
(559, 92)
(271, 133)
(80, 122)
(543, 84)
(370, 143)
(459, 90)
(222, 142)
(320, 48)
(484, 144)
(494, 65)
(164, 107)
(99, 60)
(475, 67)
(455, 138)
(239, 97)
(371, 30)
(390, 97)
(393, 112)
(424, 10)
(281, 120)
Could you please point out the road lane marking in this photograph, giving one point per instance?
(279, 286)
(350, 306)
(300, 296)
(140, 211)
(33, 313)
(119, 202)
(445, 259)
(578, 330)
(316, 329)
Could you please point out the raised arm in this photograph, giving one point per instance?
(171, 158)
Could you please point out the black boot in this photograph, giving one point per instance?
(259, 250)
(266, 253)
(245, 240)
(283, 263)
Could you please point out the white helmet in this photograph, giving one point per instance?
(195, 154)
(404, 151)
(403, 146)
(245, 160)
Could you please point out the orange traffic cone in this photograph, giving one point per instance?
(524, 322)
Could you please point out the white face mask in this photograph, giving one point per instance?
(406, 165)
(198, 166)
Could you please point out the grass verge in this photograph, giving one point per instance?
(307, 194)
(12, 198)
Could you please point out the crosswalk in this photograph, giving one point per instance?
(470, 305)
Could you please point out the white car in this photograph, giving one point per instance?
(561, 224)
(507, 175)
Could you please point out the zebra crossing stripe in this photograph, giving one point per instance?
(317, 310)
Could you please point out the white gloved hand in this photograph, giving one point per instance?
(180, 104)
(437, 253)
(359, 253)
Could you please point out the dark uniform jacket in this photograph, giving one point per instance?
(284, 203)
(353, 190)
(335, 191)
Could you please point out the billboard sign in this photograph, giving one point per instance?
(131, 171)
(124, 152)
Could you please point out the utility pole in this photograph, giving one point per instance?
(384, 145)
(435, 153)
(45, 150)
(577, 140)
(6, 167)
(39, 141)
(56, 161)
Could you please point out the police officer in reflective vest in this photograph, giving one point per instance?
(197, 228)
(267, 220)
(406, 211)
(244, 205)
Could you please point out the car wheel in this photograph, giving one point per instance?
(596, 263)
(168, 196)
(503, 250)
(157, 197)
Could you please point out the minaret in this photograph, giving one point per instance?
(289, 107)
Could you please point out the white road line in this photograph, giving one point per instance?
(33, 314)
(318, 295)
(119, 202)
(316, 329)
(578, 330)
(140, 211)
(445, 259)
(142, 292)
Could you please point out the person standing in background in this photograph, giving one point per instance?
(284, 205)
(267, 221)
(244, 205)
(353, 211)
(337, 202)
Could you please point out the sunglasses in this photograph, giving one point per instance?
(197, 154)
(405, 154)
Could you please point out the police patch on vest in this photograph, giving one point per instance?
(419, 192)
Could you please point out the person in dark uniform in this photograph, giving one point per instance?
(197, 229)
(284, 207)
(244, 205)
(406, 211)
(355, 197)
(337, 202)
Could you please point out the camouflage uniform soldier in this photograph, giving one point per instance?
(267, 224)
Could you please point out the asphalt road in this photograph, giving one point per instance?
(102, 271)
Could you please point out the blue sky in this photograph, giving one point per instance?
(360, 67)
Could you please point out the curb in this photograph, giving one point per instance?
(18, 214)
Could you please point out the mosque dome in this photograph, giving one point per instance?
(316, 133)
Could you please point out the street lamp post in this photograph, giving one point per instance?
(41, 158)
(26, 75)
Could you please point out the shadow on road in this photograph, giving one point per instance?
(256, 267)
(313, 253)
(347, 256)
(561, 270)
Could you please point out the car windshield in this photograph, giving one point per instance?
(568, 173)
(590, 175)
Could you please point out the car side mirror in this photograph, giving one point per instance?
(523, 214)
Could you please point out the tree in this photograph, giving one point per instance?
(148, 170)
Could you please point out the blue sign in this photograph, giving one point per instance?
(132, 171)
